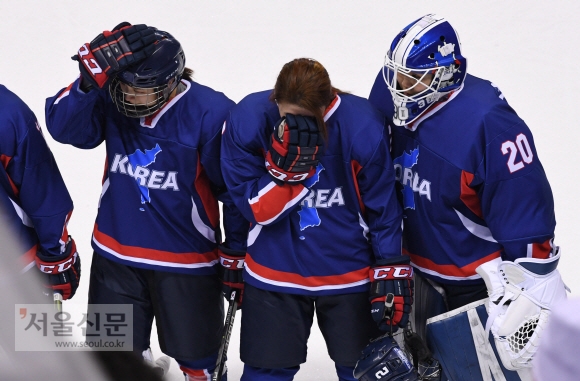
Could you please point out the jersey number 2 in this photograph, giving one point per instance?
(523, 147)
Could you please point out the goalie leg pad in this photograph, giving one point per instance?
(458, 340)
(429, 301)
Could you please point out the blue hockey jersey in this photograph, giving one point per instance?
(470, 182)
(159, 202)
(319, 237)
(34, 201)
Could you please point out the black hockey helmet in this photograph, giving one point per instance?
(161, 72)
(383, 360)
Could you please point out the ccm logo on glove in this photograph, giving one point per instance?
(232, 263)
(90, 63)
(394, 272)
(57, 268)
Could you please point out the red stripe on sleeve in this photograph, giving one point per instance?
(203, 189)
(542, 250)
(64, 92)
(356, 168)
(64, 236)
(469, 195)
(30, 255)
(105, 170)
(274, 201)
(5, 160)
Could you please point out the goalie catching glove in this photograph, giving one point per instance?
(521, 295)
(295, 149)
(112, 52)
(63, 272)
(391, 294)
(231, 269)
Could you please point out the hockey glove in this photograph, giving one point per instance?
(521, 296)
(112, 52)
(295, 149)
(63, 272)
(391, 294)
(232, 266)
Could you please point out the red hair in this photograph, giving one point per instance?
(304, 82)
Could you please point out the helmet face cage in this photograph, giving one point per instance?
(429, 45)
(137, 102)
(144, 88)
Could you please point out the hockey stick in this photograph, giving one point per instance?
(228, 325)
(57, 297)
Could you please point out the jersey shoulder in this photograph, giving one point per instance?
(208, 99)
(356, 114)
(356, 129)
(255, 103)
(16, 118)
(380, 96)
(13, 108)
(205, 107)
(252, 120)
(484, 101)
(362, 108)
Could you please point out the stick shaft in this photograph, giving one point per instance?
(57, 297)
(228, 325)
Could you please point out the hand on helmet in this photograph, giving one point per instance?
(113, 51)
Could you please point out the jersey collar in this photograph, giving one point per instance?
(151, 120)
(332, 107)
(433, 109)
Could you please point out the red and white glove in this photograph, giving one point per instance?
(63, 272)
(391, 294)
(295, 149)
(112, 52)
(231, 269)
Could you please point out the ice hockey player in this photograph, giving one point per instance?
(34, 201)
(158, 227)
(478, 208)
(309, 166)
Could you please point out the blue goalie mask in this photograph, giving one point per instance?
(383, 360)
(426, 57)
(145, 87)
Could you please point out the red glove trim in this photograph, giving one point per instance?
(88, 59)
(288, 177)
(60, 266)
(392, 272)
(231, 262)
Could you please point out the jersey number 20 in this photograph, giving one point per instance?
(522, 146)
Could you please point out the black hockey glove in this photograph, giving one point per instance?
(63, 272)
(295, 149)
(232, 266)
(391, 294)
(112, 52)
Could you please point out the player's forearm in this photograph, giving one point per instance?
(73, 117)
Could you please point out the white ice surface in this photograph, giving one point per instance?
(528, 48)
